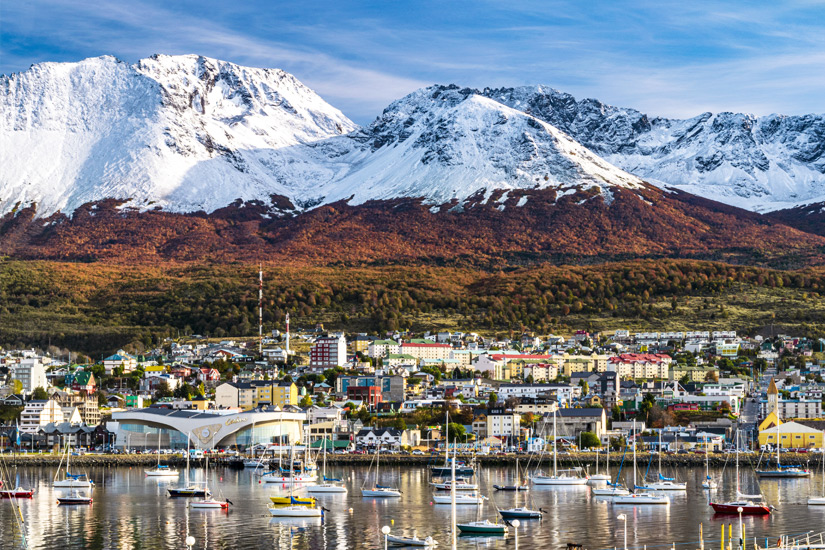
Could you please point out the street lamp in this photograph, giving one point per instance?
(741, 538)
(515, 524)
(623, 517)
(386, 531)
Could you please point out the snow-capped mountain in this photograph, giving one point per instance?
(443, 143)
(188, 133)
(759, 163)
(181, 132)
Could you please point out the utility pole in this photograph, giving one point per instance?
(260, 309)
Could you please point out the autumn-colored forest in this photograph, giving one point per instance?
(109, 276)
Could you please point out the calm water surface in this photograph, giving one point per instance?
(131, 511)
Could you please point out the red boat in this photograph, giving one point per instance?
(748, 508)
(16, 493)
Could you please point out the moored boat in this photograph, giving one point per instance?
(297, 501)
(471, 499)
(482, 527)
(17, 492)
(411, 541)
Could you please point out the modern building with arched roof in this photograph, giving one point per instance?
(230, 428)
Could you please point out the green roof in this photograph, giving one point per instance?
(400, 356)
(385, 343)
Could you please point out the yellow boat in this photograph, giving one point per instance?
(300, 501)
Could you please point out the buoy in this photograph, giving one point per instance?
(392, 522)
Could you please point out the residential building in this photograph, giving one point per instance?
(328, 352)
(391, 438)
(421, 350)
(85, 404)
(120, 359)
(641, 365)
(383, 348)
(572, 422)
(39, 412)
(503, 424)
(792, 435)
(256, 393)
(31, 373)
(370, 395)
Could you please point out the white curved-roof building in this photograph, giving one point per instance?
(150, 427)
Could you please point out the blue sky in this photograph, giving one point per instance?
(665, 58)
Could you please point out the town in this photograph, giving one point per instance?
(392, 391)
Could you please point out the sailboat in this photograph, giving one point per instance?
(709, 482)
(473, 498)
(71, 481)
(615, 488)
(295, 510)
(188, 490)
(478, 527)
(663, 483)
(377, 490)
(786, 472)
(519, 485)
(819, 501)
(556, 479)
(74, 498)
(746, 503)
(642, 497)
(330, 485)
(461, 469)
(601, 477)
(520, 511)
(209, 503)
(161, 470)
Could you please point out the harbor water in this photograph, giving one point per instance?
(132, 511)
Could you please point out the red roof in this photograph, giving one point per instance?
(501, 356)
(406, 344)
(640, 358)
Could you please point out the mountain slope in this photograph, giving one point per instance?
(758, 163)
(184, 133)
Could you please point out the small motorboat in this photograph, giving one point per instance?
(210, 504)
(428, 542)
(483, 527)
(471, 499)
(297, 501)
(296, 512)
(521, 512)
(17, 492)
(326, 488)
(276, 477)
(709, 483)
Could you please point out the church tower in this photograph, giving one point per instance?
(773, 399)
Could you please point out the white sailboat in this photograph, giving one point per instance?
(209, 503)
(520, 511)
(329, 485)
(642, 497)
(601, 477)
(819, 501)
(749, 505)
(71, 481)
(615, 488)
(161, 470)
(187, 489)
(663, 483)
(379, 491)
(569, 477)
(709, 482)
(295, 510)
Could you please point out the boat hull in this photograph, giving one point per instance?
(298, 501)
(667, 486)
(440, 471)
(155, 473)
(17, 493)
(520, 513)
(783, 474)
(816, 501)
(407, 541)
(458, 487)
(610, 492)
(600, 477)
(72, 484)
(639, 499)
(481, 528)
(72, 501)
(287, 479)
(549, 480)
(511, 487)
(748, 509)
(209, 505)
(380, 493)
(460, 500)
(327, 489)
(296, 512)
(187, 493)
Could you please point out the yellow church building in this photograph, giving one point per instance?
(788, 435)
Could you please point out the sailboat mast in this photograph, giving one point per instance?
(555, 442)
(634, 454)
(453, 542)
(660, 454)
(737, 463)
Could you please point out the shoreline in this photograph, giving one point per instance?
(689, 460)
